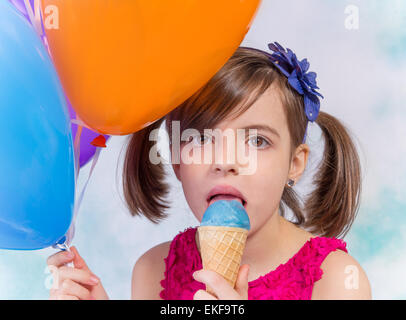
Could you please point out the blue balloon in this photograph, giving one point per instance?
(37, 170)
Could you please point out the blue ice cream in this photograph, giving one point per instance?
(226, 213)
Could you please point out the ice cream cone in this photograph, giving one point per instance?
(221, 249)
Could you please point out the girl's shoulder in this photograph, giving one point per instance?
(342, 278)
(148, 274)
(148, 271)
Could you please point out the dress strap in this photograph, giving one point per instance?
(313, 255)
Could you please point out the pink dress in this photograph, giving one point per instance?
(292, 280)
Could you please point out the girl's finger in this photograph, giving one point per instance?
(78, 260)
(219, 285)
(77, 275)
(72, 288)
(60, 258)
(241, 284)
(203, 295)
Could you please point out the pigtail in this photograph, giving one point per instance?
(143, 181)
(331, 208)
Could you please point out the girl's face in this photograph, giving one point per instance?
(262, 188)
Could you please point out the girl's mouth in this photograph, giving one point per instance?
(225, 197)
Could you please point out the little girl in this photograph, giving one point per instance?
(301, 259)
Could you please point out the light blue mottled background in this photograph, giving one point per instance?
(362, 75)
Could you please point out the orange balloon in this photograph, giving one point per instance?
(126, 63)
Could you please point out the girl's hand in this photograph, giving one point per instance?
(77, 283)
(221, 287)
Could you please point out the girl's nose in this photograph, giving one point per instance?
(226, 168)
(225, 158)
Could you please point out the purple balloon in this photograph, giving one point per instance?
(87, 136)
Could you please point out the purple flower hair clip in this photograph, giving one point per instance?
(299, 78)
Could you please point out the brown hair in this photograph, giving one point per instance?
(330, 209)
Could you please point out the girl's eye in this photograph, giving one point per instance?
(257, 142)
(200, 140)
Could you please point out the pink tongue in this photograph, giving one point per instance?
(224, 197)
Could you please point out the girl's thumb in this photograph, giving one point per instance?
(78, 261)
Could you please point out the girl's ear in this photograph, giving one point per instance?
(299, 161)
(176, 168)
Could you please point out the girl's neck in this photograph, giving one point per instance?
(262, 246)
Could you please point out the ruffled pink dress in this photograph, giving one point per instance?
(292, 280)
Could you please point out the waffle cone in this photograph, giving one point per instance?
(221, 249)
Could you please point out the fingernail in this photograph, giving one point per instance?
(94, 280)
(70, 255)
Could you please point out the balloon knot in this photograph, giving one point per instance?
(99, 141)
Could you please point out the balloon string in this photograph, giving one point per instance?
(64, 245)
(94, 162)
(76, 148)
